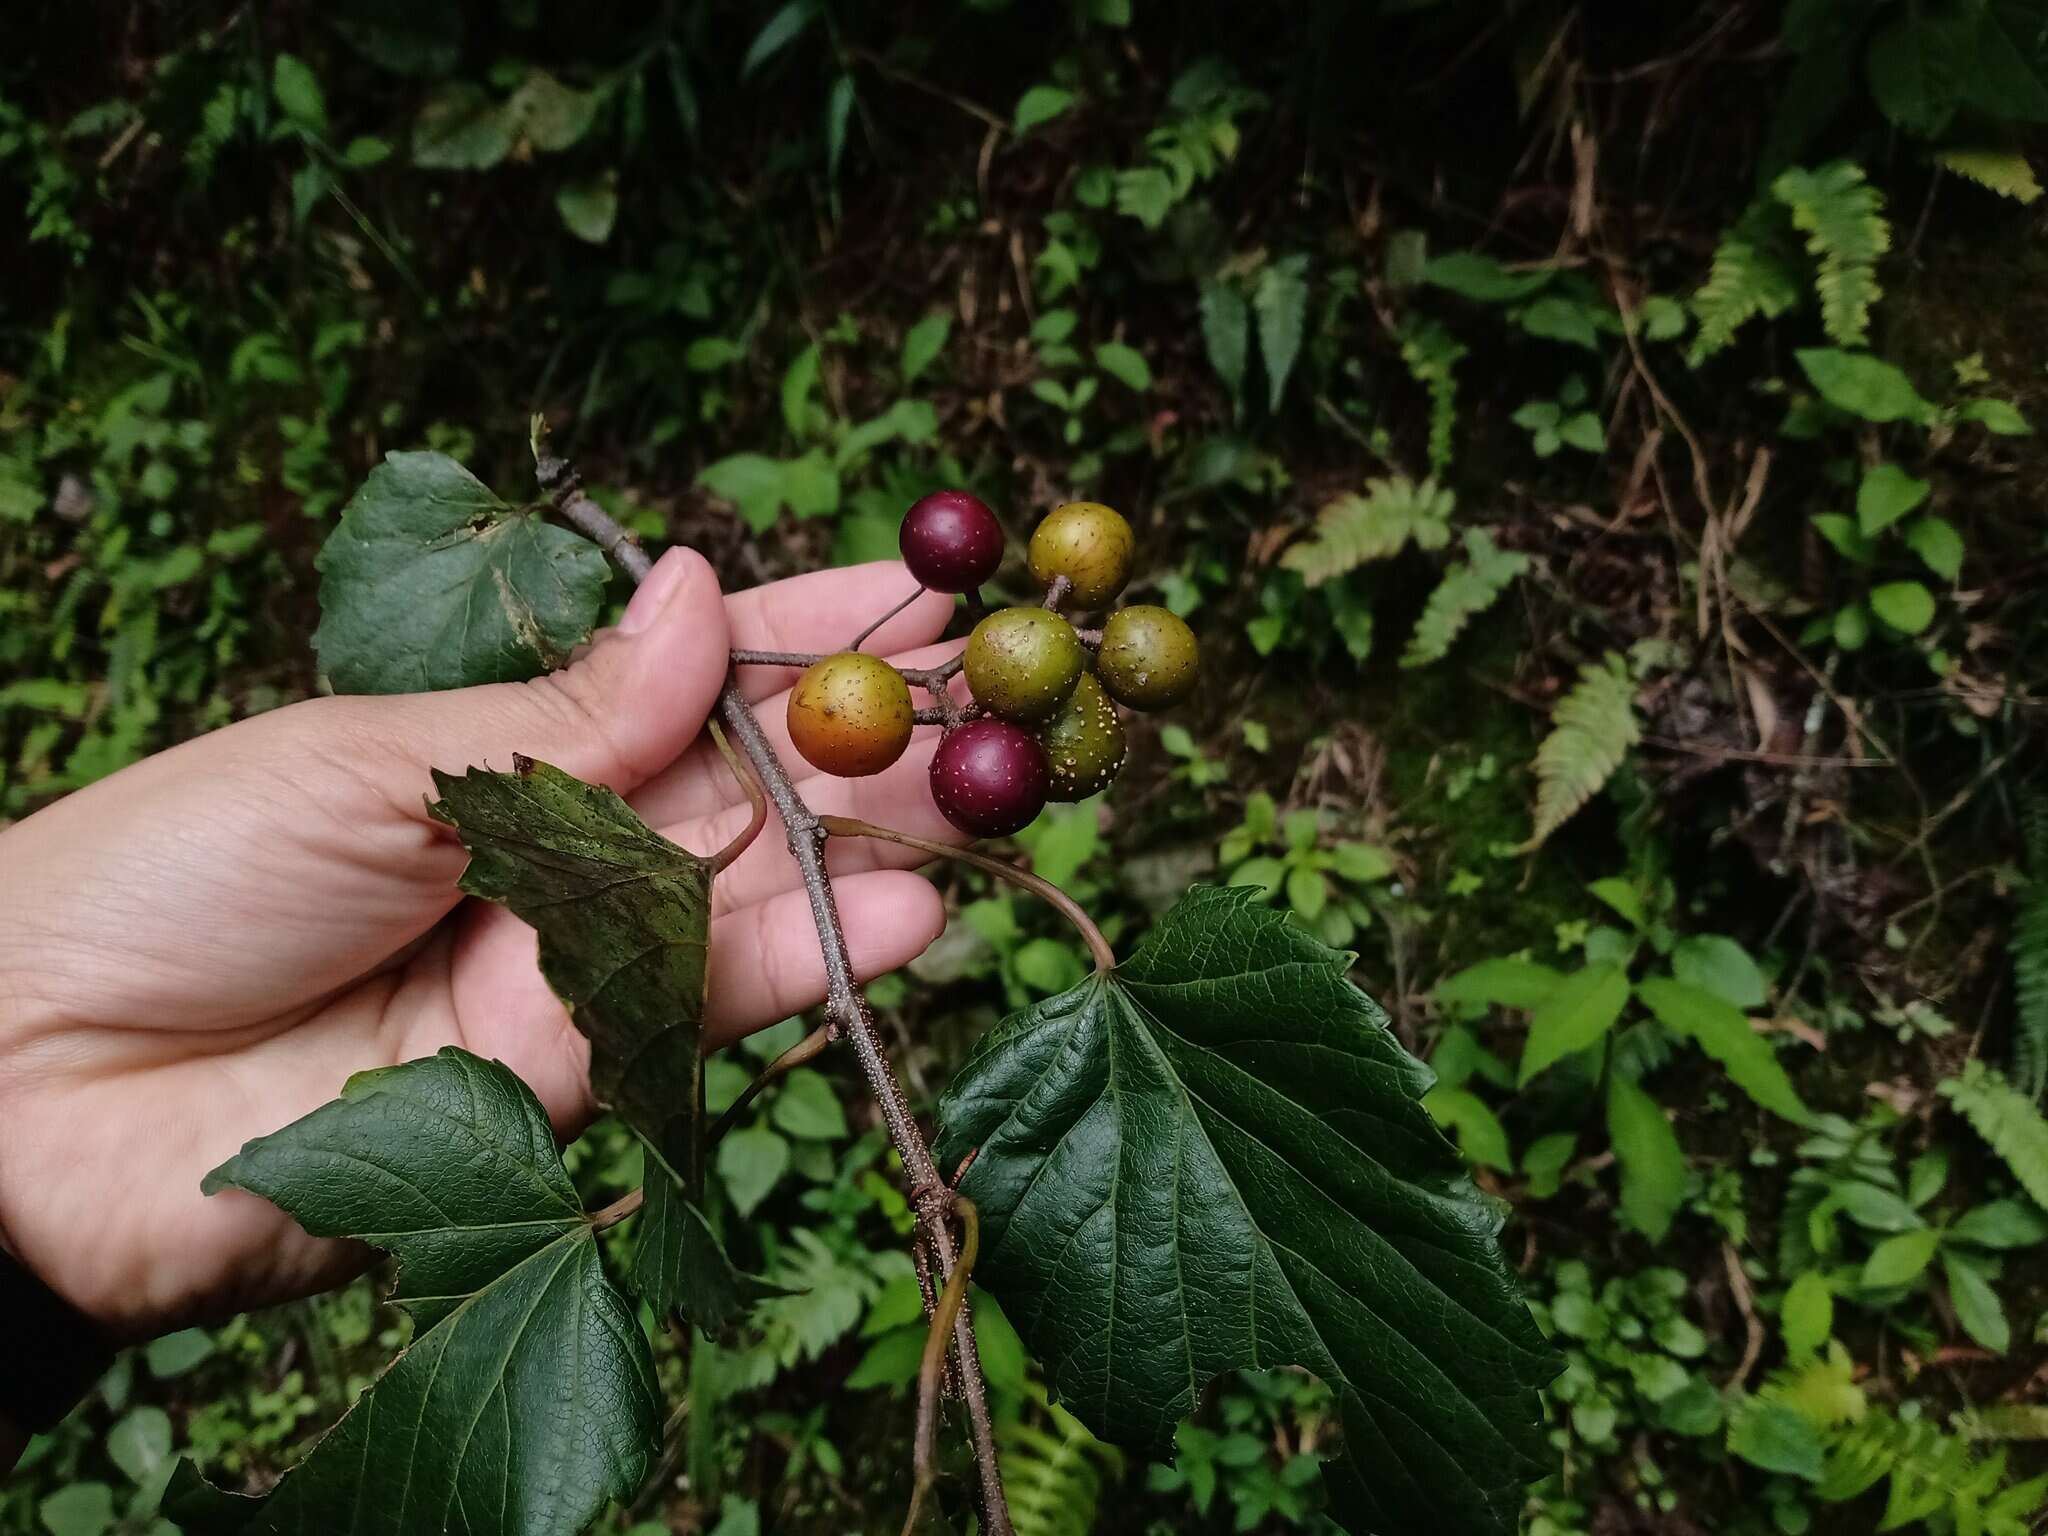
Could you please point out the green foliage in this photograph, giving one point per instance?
(1749, 279)
(2008, 1120)
(1061, 1138)
(1929, 1476)
(1591, 730)
(1053, 1474)
(2029, 949)
(1355, 529)
(1842, 217)
(528, 1396)
(1469, 587)
(430, 581)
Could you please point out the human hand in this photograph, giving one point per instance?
(204, 946)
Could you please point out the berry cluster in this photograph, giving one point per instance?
(1043, 724)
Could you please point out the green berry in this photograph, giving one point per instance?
(1022, 663)
(1148, 658)
(1084, 742)
(1090, 545)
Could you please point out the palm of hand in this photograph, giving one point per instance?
(205, 946)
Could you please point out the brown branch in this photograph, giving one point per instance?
(846, 1011)
(1037, 885)
(932, 680)
(861, 639)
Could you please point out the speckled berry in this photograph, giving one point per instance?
(1084, 742)
(1090, 545)
(990, 778)
(851, 715)
(1022, 663)
(951, 541)
(1148, 658)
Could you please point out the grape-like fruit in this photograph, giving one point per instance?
(850, 715)
(1087, 543)
(1148, 657)
(989, 777)
(1022, 663)
(951, 541)
(1084, 742)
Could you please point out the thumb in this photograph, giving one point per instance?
(618, 715)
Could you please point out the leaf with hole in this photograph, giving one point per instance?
(430, 581)
(1217, 1157)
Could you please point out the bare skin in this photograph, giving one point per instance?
(204, 946)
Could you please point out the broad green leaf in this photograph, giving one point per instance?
(1556, 318)
(1504, 983)
(1280, 306)
(780, 30)
(1577, 1014)
(176, 1353)
(429, 581)
(1807, 1315)
(1652, 1164)
(1545, 1160)
(751, 1160)
(461, 127)
(751, 481)
(1721, 1029)
(527, 1397)
(1906, 606)
(1999, 416)
(1863, 385)
(922, 344)
(804, 1105)
(1040, 104)
(1624, 898)
(549, 114)
(1976, 1303)
(298, 92)
(1216, 1157)
(2001, 1224)
(1226, 329)
(589, 208)
(1126, 365)
(623, 916)
(1777, 1438)
(1481, 1136)
(140, 1444)
(1473, 276)
(1715, 963)
(1887, 494)
(1939, 546)
(82, 1509)
(680, 1265)
(1900, 1260)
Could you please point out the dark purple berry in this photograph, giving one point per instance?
(951, 541)
(990, 778)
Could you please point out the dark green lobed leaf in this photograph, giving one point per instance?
(1217, 1157)
(430, 581)
(528, 1396)
(623, 916)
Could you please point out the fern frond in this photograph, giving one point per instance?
(1932, 1473)
(1432, 355)
(1052, 1475)
(1354, 529)
(1467, 590)
(1591, 730)
(1749, 278)
(1842, 217)
(1820, 1389)
(2029, 945)
(2008, 1120)
(2004, 171)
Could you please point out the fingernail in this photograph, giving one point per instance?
(654, 593)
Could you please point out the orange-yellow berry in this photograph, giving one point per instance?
(1090, 545)
(851, 715)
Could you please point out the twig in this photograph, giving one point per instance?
(1753, 1330)
(564, 487)
(620, 1208)
(1037, 885)
(932, 680)
(933, 1365)
(846, 1011)
(861, 639)
(795, 1056)
(743, 839)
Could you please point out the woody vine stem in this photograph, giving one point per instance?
(847, 1016)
